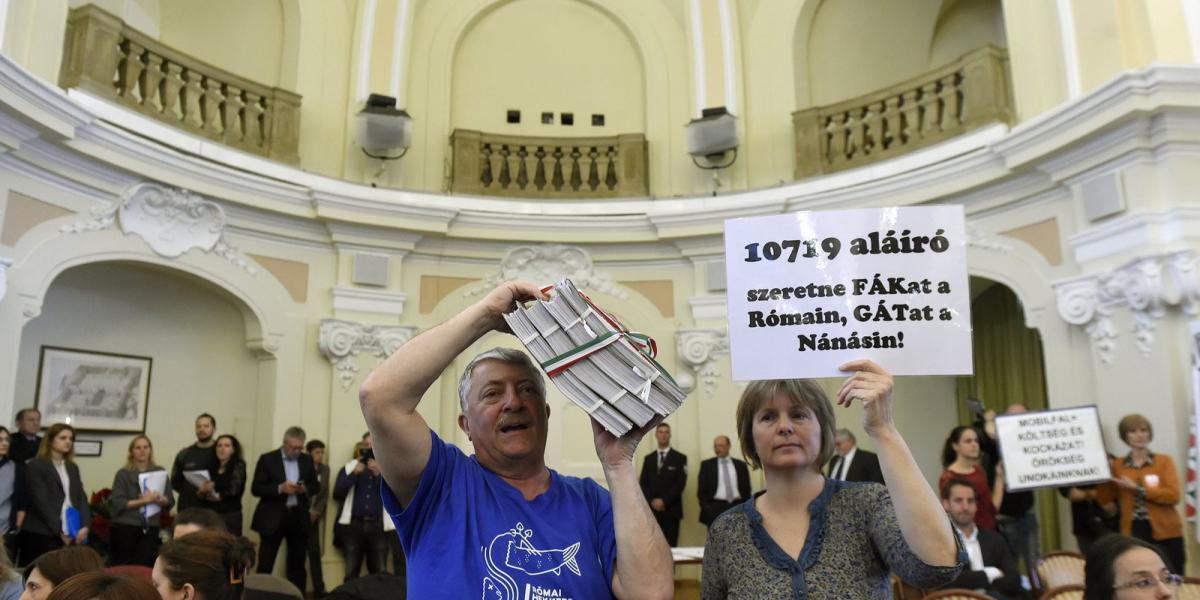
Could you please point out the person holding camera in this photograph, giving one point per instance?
(362, 526)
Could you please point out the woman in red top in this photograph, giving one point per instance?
(961, 457)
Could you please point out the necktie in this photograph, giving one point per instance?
(730, 494)
(837, 468)
(662, 457)
(845, 466)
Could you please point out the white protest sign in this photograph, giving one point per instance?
(1052, 448)
(809, 291)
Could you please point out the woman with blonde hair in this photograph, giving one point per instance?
(135, 530)
(57, 513)
(822, 538)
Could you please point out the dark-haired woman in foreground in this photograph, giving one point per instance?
(808, 536)
(1120, 567)
(203, 565)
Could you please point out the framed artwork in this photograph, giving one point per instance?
(93, 391)
(88, 447)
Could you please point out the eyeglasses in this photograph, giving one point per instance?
(1145, 583)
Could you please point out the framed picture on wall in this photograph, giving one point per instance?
(88, 447)
(93, 391)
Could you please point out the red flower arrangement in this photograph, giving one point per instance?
(98, 536)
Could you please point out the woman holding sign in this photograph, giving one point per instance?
(135, 538)
(1146, 487)
(833, 539)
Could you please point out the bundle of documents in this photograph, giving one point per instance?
(602, 367)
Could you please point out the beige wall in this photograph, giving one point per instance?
(508, 59)
(245, 38)
(193, 333)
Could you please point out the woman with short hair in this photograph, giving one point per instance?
(820, 537)
(204, 565)
(135, 533)
(1145, 489)
(55, 567)
(55, 490)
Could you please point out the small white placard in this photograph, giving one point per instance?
(1052, 448)
(809, 291)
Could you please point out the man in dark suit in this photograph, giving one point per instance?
(724, 482)
(664, 475)
(316, 515)
(992, 569)
(284, 481)
(25, 440)
(851, 463)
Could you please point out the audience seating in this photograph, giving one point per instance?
(1190, 590)
(1057, 569)
(1073, 591)
(956, 594)
(138, 571)
(260, 586)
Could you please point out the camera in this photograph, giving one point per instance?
(366, 454)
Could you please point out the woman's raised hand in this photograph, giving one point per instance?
(871, 384)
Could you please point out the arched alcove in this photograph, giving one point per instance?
(586, 64)
(854, 47)
(193, 331)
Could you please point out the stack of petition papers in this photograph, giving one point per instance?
(603, 368)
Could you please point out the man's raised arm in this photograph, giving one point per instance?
(390, 394)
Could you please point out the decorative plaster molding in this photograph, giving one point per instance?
(547, 264)
(5, 263)
(342, 341)
(699, 348)
(709, 307)
(1146, 286)
(977, 238)
(171, 221)
(368, 301)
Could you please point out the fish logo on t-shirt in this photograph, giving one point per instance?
(513, 551)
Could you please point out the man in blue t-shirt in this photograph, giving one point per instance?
(500, 524)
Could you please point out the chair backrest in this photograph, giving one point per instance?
(261, 586)
(956, 594)
(1190, 590)
(1057, 569)
(139, 571)
(1073, 591)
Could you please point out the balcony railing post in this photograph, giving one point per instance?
(466, 147)
(92, 51)
(633, 165)
(283, 123)
(811, 146)
(986, 97)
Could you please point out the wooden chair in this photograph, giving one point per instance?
(1072, 591)
(1057, 569)
(1190, 590)
(956, 594)
(901, 590)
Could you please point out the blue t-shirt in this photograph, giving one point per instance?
(469, 534)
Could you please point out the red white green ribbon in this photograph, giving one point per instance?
(643, 343)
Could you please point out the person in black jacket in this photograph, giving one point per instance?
(664, 475)
(44, 528)
(25, 440)
(724, 482)
(852, 463)
(223, 492)
(993, 568)
(201, 456)
(284, 481)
